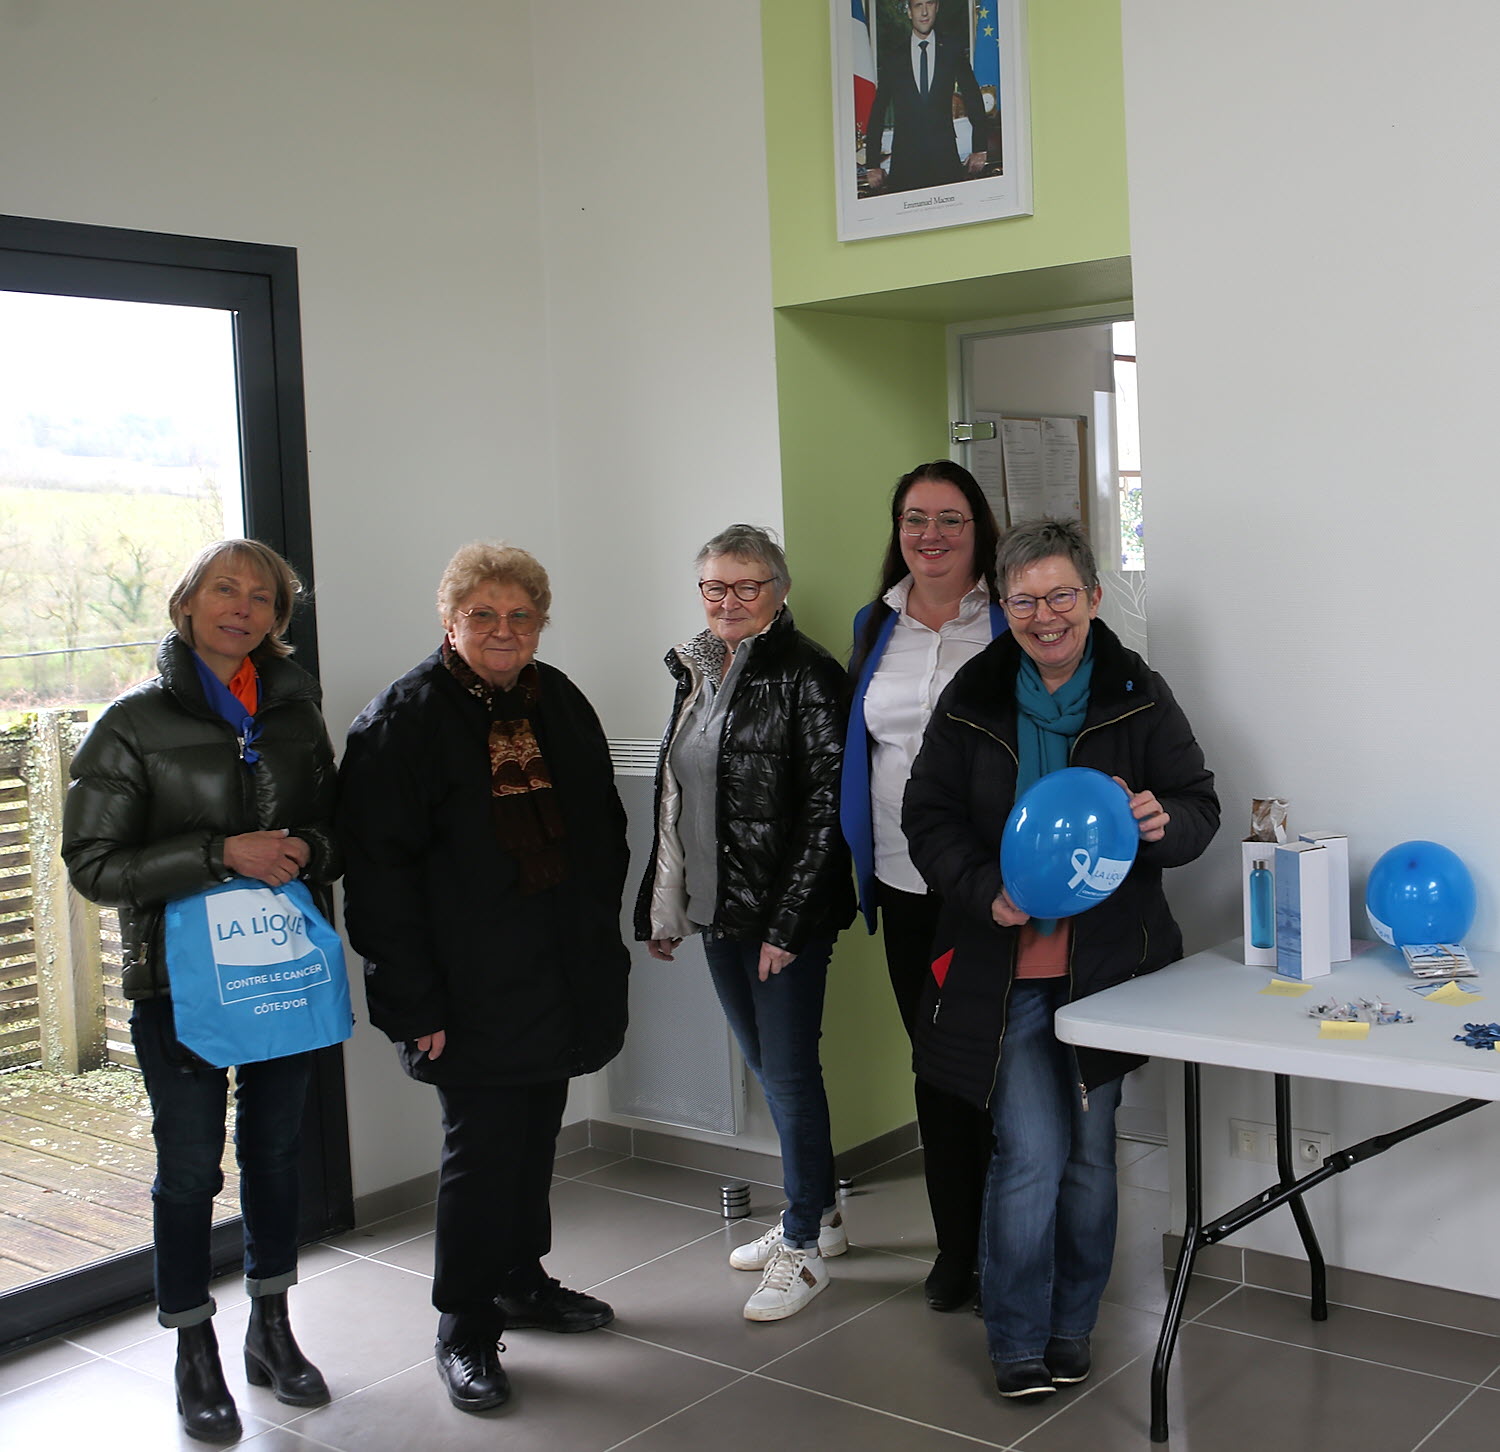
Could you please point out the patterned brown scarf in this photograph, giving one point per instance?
(523, 805)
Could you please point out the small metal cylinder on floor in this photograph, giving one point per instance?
(736, 1199)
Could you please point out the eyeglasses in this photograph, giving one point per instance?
(949, 521)
(716, 590)
(486, 621)
(1059, 602)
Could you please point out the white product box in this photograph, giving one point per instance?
(1339, 948)
(1302, 910)
(1263, 956)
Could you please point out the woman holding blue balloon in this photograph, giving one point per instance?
(936, 608)
(1057, 690)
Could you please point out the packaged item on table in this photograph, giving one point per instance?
(1268, 826)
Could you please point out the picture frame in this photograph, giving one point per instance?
(974, 56)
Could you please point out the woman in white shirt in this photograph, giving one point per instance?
(937, 607)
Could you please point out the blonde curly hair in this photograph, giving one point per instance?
(491, 562)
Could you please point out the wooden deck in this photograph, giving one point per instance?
(76, 1164)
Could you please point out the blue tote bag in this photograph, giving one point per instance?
(256, 973)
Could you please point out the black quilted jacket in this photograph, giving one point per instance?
(158, 785)
(529, 988)
(784, 875)
(962, 787)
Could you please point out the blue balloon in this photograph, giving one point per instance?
(1068, 843)
(1420, 892)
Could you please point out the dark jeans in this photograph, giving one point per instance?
(188, 1102)
(957, 1138)
(494, 1222)
(778, 1024)
(1050, 1208)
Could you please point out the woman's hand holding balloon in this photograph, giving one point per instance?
(1006, 913)
(1151, 817)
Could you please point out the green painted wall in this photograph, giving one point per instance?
(861, 369)
(862, 400)
(1078, 162)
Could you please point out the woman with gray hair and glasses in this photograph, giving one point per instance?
(1057, 689)
(748, 852)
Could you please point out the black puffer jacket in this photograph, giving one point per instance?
(158, 785)
(962, 788)
(527, 988)
(783, 869)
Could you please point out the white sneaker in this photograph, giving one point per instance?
(792, 1278)
(833, 1239)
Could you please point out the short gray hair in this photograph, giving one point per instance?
(1043, 539)
(749, 542)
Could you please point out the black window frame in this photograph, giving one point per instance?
(257, 283)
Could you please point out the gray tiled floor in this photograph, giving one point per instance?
(866, 1365)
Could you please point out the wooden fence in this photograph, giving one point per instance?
(60, 1000)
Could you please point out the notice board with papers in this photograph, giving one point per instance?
(1034, 466)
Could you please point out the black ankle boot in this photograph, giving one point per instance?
(203, 1401)
(273, 1358)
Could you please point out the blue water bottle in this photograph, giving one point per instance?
(1262, 906)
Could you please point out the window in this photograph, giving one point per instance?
(102, 309)
(1128, 451)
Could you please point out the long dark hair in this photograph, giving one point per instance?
(894, 568)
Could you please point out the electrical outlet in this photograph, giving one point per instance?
(1250, 1140)
(1310, 1149)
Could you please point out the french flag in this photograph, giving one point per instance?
(864, 68)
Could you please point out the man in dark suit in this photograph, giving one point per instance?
(916, 82)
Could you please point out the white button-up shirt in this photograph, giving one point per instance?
(918, 663)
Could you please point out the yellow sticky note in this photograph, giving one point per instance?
(1286, 988)
(1450, 992)
(1334, 1029)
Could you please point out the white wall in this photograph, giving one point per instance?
(1312, 237)
(393, 146)
(660, 355)
(535, 303)
(659, 363)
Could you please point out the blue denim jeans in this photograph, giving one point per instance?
(188, 1101)
(1050, 1206)
(778, 1024)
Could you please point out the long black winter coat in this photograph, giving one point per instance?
(158, 784)
(528, 988)
(784, 874)
(962, 788)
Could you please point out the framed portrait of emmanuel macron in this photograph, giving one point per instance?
(931, 114)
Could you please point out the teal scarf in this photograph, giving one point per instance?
(1046, 723)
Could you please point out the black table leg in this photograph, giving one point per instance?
(1192, 1231)
(1287, 1172)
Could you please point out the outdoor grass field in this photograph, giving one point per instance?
(84, 567)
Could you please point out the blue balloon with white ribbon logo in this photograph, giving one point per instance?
(1068, 843)
(1420, 892)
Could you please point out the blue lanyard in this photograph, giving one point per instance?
(230, 707)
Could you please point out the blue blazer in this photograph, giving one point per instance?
(855, 817)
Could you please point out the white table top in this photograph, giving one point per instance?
(1208, 1009)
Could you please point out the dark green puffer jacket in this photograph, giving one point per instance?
(158, 785)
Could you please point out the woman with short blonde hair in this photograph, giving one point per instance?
(486, 850)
